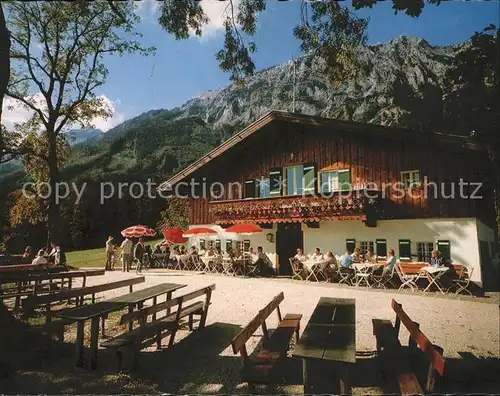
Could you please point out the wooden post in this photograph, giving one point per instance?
(131, 324)
(169, 297)
(264, 331)
(103, 326)
(203, 318)
(345, 381)
(18, 297)
(432, 373)
(80, 326)
(397, 322)
(70, 284)
(278, 310)
(412, 344)
(94, 335)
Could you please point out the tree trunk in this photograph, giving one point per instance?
(4, 58)
(53, 206)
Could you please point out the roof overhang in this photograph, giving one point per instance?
(348, 126)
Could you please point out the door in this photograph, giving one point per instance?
(288, 240)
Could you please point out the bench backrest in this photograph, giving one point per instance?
(177, 301)
(259, 320)
(436, 359)
(32, 301)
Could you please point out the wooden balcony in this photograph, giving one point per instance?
(289, 209)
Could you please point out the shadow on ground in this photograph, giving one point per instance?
(195, 365)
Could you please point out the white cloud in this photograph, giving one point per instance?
(14, 112)
(216, 12)
(147, 10)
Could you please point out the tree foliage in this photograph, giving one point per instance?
(57, 53)
(175, 214)
(25, 209)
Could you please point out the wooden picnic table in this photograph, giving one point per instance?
(328, 346)
(102, 309)
(23, 267)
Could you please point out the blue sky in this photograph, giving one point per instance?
(182, 69)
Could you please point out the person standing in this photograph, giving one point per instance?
(126, 247)
(109, 253)
(139, 255)
(55, 254)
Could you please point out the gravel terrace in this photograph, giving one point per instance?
(467, 329)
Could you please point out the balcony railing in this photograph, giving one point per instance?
(291, 209)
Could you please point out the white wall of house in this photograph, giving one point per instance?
(462, 234)
(487, 235)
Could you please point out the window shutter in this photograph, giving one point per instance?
(310, 179)
(344, 179)
(404, 250)
(275, 182)
(444, 249)
(350, 244)
(250, 189)
(381, 248)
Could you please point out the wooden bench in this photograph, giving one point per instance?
(155, 330)
(395, 359)
(57, 327)
(262, 365)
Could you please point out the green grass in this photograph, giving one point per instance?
(94, 257)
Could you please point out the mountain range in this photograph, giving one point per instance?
(399, 83)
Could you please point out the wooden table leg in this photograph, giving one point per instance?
(325, 377)
(17, 304)
(94, 335)
(169, 297)
(130, 309)
(154, 303)
(80, 326)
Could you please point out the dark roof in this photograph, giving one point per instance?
(351, 126)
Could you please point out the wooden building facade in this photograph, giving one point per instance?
(303, 173)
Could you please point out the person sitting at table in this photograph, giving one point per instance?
(331, 265)
(390, 261)
(182, 250)
(370, 257)
(356, 256)
(40, 259)
(436, 259)
(265, 265)
(346, 262)
(317, 255)
(192, 251)
(157, 250)
(210, 252)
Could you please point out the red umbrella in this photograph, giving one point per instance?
(174, 235)
(138, 231)
(244, 229)
(199, 231)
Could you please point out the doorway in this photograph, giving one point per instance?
(288, 239)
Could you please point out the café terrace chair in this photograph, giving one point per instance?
(344, 276)
(385, 278)
(407, 280)
(296, 271)
(463, 281)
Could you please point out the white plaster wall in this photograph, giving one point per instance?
(462, 234)
(487, 234)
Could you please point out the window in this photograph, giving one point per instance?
(444, 249)
(210, 244)
(381, 245)
(364, 246)
(246, 245)
(410, 177)
(350, 244)
(404, 250)
(424, 250)
(331, 181)
(217, 244)
(250, 189)
(263, 187)
(202, 244)
(229, 245)
(294, 177)
(275, 182)
(309, 179)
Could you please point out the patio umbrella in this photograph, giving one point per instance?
(174, 235)
(199, 231)
(244, 229)
(138, 231)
